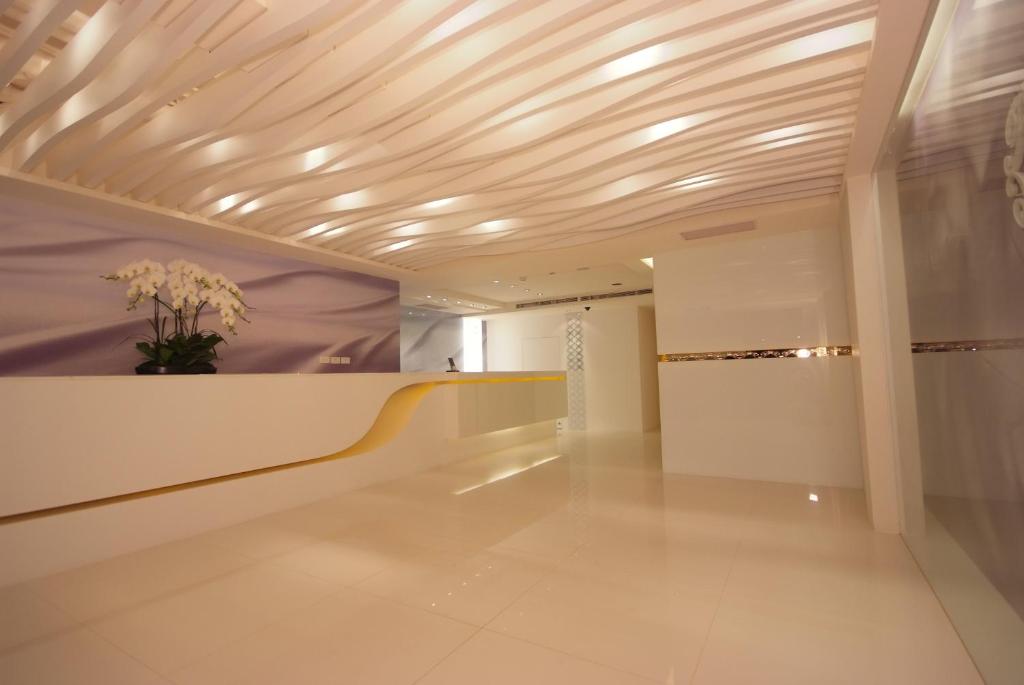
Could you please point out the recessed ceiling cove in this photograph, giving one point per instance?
(417, 133)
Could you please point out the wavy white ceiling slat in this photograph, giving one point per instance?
(416, 133)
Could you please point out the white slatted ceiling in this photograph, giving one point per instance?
(415, 133)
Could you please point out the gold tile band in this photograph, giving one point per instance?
(777, 353)
(394, 415)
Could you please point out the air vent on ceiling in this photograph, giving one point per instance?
(427, 305)
(582, 298)
(718, 230)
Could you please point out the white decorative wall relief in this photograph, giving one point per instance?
(1013, 162)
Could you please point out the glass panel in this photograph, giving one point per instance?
(964, 258)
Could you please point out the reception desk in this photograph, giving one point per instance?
(98, 466)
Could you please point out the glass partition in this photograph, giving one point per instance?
(961, 183)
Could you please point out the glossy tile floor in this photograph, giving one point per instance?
(517, 567)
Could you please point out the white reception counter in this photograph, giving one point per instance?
(115, 463)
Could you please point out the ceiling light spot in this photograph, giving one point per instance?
(633, 62)
(249, 206)
(314, 158)
(334, 231)
(494, 225)
(400, 245)
(813, 497)
(435, 204)
(312, 231)
(694, 182)
(351, 200)
(803, 353)
(784, 132)
(649, 261)
(830, 40)
(226, 203)
(666, 128)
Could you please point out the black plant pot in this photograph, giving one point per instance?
(154, 369)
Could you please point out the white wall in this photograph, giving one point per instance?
(620, 369)
(648, 349)
(611, 366)
(526, 341)
(790, 420)
(619, 363)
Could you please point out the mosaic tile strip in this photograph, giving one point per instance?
(574, 371)
(968, 345)
(780, 353)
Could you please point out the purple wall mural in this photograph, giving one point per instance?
(57, 317)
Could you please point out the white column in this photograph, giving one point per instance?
(881, 340)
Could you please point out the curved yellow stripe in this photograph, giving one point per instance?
(394, 414)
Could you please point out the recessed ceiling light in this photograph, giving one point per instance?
(429, 296)
(495, 281)
(813, 497)
(444, 299)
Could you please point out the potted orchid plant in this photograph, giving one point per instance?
(181, 291)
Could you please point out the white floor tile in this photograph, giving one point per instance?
(173, 632)
(78, 657)
(593, 568)
(491, 659)
(349, 637)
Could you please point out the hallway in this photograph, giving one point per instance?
(576, 561)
